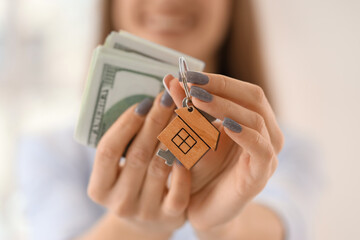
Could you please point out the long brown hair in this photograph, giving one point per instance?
(239, 56)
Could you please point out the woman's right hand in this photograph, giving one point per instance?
(137, 192)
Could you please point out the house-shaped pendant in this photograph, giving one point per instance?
(188, 137)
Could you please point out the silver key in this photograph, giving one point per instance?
(167, 155)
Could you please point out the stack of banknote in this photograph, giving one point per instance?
(124, 71)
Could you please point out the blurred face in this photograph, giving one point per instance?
(195, 27)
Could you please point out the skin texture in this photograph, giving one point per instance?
(136, 193)
(216, 195)
(243, 162)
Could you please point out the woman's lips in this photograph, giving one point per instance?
(167, 23)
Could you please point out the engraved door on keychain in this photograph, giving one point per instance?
(190, 134)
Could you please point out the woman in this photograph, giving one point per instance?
(215, 200)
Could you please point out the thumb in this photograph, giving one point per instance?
(174, 88)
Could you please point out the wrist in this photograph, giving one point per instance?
(112, 227)
(216, 232)
(135, 231)
(255, 221)
(225, 228)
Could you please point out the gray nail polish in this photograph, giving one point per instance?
(200, 93)
(144, 106)
(232, 125)
(197, 78)
(166, 99)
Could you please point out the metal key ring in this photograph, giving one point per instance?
(183, 75)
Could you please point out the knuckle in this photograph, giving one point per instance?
(176, 207)
(251, 186)
(95, 194)
(259, 123)
(245, 187)
(137, 157)
(106, 153)
(146, 216)
(269, 152)
(223, 83)
(257, 139)
(123, 210)
(156, 121)
(259, 94)
(158, 168)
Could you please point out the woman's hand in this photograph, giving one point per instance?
(137, 193)
(224, 181)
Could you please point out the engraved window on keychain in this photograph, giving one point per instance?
(190, 134)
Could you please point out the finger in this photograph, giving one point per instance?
(220, 108)
(244, 93)
(173, 86)
(177, 199)
(250, 96)
(109, 151)
(140, 153)
(260, 149)
(230, 88)
(154, 187)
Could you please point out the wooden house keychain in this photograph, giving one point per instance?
(189, 135)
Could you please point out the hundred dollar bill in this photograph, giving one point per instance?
(130, 43)
(119, 77)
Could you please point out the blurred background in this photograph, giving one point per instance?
(312, 53)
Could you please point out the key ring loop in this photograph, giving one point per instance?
(183, 68)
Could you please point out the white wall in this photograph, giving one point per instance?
(44, 53)
(313, 59)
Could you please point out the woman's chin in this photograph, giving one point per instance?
(171, 39)
(165, 34)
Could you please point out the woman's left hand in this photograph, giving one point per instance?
(224, 181)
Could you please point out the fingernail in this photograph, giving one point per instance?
(166, 99)
(200, 93)
(164, 79)
(232, 125)
(179, 163)
(144, 106)
(196, 78)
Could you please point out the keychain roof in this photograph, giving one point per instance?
(189, 135)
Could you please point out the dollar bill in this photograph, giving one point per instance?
(126, 70)
(130, 43)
